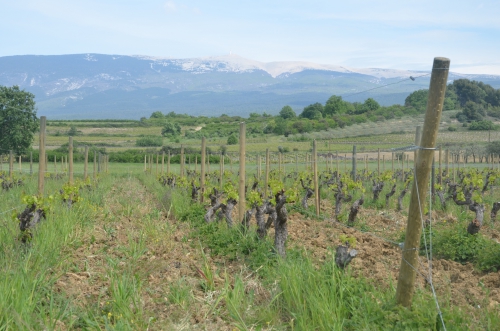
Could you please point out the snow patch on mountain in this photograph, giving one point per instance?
(237, 64)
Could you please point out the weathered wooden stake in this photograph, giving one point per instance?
(86, 163)
(41, 156)
(266, 180)
(31, 163)
(241, 189)
(168, 163)
(354, 170)
(182, 161)
(163, 162)
(70, 157)
(378, 161)
(316, 185)
(409, 262)
(202, 174)
(11, 163)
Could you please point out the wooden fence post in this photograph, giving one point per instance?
(409, 261)
(162, 162)
(86, 163)
(31, 163)
(11, 163)
(378, 161)
(354, 170)
(168, 163)
(316, 185)
(95, 165)
(266, 179)
(202, 175)
(241, 189)
(440, 172)
(70, 157)
(182, 161)
(41, 156)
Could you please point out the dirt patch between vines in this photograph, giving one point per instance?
(169, 257)
(378, 260)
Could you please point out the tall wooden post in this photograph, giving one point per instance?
(259, 166)
(241, 189)
(55, 164)
(266, 180)
(31, 163)
(145, 163)
(440, 172)
(337, 157)
(221, 172)
(11, 163)
(41, 156)
(418, 137)
(95, 164)
(156, 170)
(168, 163)
(202, 174)
(409, 262)
(354, 170)
(447, 160)
(378, 161)
(70, 157)
(162, 162)
(182, 161)
(86, 163)
(392, 161)
(21, 167)
(316, 185)
(99, 160)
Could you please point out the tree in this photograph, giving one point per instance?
(473, 111)
(313, 112)
(73, 131)
(171, 129)
(335, 105)
(232, 140)
(157, 114)
(467, 90)
(287, 113)
(371, 105)
(18, 121)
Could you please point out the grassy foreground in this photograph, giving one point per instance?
(133, 255)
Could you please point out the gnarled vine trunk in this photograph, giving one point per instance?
(280, 224)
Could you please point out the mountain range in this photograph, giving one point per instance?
(98, 86)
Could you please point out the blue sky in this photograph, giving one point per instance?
(403, 34)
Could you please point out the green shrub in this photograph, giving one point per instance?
(232, 140)
(455, 243)
(149, 141)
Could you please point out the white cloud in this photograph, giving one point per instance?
(170, 6)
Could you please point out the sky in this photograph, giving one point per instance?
(402, 34)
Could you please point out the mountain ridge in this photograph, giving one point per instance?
(82, 85)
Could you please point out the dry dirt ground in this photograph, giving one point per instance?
(379, 259)
(133, 236)
(166, 257)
